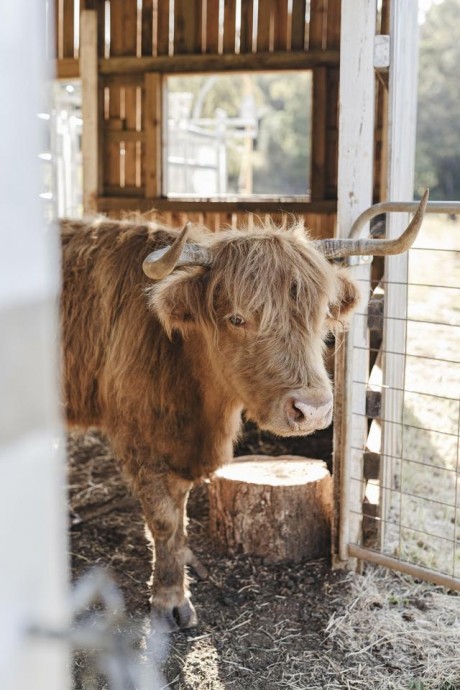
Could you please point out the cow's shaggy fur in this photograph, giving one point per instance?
(162, 370)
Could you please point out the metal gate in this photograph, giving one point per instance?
(399, 490)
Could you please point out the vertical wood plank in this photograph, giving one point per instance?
(332, 132)
(163, 27)
(99, 7)
(68, 29)
(318, 150)
(153, 109)
(381, 128)
(112, 162)
(187, 26)
(333, 24)
(123, 41)
(101, 28)
(90, 110)
(402, 107)
(298, 24)
(147, 27)
(356, 130)
(317, 31)
(332, 42)
(211, 220)
(58, 29)
(130, 147)
(212, 26)
(280, 25)
(229, 26)
(263, 25)
(123, 27)
(247, 17)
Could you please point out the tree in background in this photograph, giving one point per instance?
(438, 122)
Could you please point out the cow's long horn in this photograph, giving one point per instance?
(162, 262)
(334, 249)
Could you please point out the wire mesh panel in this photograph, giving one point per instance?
(411, 509)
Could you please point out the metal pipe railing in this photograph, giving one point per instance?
(400, 207)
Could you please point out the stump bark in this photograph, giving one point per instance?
(278, 509)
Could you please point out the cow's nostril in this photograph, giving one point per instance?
(297, 413)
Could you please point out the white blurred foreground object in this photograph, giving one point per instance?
(34, 576)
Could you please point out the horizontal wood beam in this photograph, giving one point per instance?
(69, 68)
(138, 203)
(220, 63)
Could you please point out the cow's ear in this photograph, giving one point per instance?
(348, 297)
(178, 299)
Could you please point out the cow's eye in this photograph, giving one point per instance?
(236, 320)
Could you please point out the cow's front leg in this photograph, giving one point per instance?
(163, 499)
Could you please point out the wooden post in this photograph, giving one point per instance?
(355, 175)
(402, 96)
(90, 110)
(275, 508)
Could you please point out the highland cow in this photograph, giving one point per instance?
(169, 336)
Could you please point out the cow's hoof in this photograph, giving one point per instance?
(196, 565)
(167, 620)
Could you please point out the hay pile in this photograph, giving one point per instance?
(396, 634)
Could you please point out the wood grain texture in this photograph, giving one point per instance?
(187, 26)
(298, 25)
(280, 24)
(229, 26)
(247, 18)
(212, 26)
(147, 27)
(90, 110)
(220, 63)
(318, 139)
(264, 17)
(68, 29)
(153, 108)
(162, 34)
(317, 29)
(277, 509)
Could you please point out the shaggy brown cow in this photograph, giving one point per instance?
(163, 350)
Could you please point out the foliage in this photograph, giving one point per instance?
(438, 135)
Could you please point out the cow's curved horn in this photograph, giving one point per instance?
(334, 249)
(162, 262)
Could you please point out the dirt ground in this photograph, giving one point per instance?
(259, 625)
(294, 626)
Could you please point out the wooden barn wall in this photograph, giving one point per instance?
(140, 42)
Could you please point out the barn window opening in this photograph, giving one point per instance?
(238, 135)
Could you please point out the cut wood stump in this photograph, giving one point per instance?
(276, 508)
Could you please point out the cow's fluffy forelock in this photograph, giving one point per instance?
(274, 276)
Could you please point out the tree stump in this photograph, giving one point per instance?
(278, 509)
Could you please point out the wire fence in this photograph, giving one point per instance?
(411, 505)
